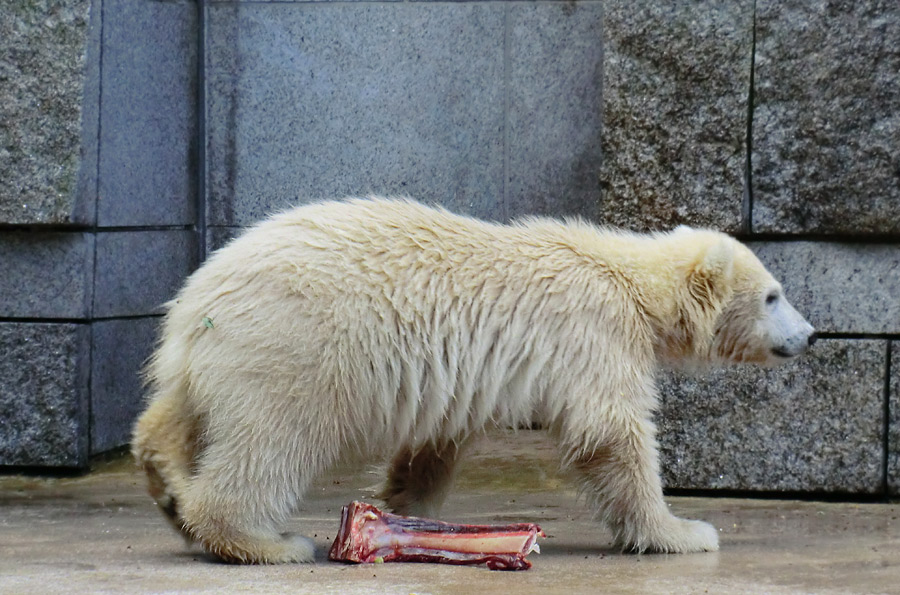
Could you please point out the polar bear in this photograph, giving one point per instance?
(377, 327)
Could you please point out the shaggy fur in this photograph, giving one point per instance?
(382, 327)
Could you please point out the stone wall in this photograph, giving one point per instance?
(775, 121)
(804, 164)
(97, 213)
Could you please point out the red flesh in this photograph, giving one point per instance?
(369, 535)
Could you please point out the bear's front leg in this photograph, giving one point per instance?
(621, 478)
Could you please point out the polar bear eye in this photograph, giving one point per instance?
(771, 298)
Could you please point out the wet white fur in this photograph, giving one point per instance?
(368, 328)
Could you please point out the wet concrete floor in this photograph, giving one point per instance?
(100, 533)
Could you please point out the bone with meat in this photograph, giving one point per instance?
(369, 535)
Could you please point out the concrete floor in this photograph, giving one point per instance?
(101, 533)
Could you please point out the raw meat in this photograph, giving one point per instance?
(369, 535)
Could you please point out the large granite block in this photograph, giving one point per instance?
(839, 287)
(46, 275)
(826, 117)
(554, 96)
(147, 146)
(312, 101)
(676, 85)
(42, 67)
(893, 435)
(118, 352)
(813, 425)
(88, 181)
(43, 394)
(138, 271)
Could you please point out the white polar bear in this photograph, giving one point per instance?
(382, 327)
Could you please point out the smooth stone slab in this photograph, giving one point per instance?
(813, 425)
(676, 82)
(46, 275)
(138, 271)
(826, 118)
(893, 437)
(119, 350)
(555, 80)
(839, 287)
(217, 237)
(44, 371)
(314, 101)
(148, 168)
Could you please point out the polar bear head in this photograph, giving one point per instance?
(737, 304)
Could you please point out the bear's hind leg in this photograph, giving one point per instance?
(621, 478)
(237, 502)
(419, 478)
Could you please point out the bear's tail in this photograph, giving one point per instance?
(165, 446)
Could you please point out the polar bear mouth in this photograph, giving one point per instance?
(782, 352)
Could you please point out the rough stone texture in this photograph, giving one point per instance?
(138, 271)
(42, 60)
(46, 275)
(554, 99)
(43, 394)
(87, 184)
(119, 350)
(813, 425)
(893, 436)
(147, 145)
(321, 101)
(827, 117)
(675, 92)
(839, 287)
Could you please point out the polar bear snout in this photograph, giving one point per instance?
(790, 334)
(795, 348)
(796, 344)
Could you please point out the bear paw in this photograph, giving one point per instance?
(297, 548)
(690, 536)
(282, 549)
(679, 537)
(698, 536)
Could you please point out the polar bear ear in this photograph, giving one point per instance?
(712, 276)
(719, 259)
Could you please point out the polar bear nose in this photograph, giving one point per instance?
(812, 339)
